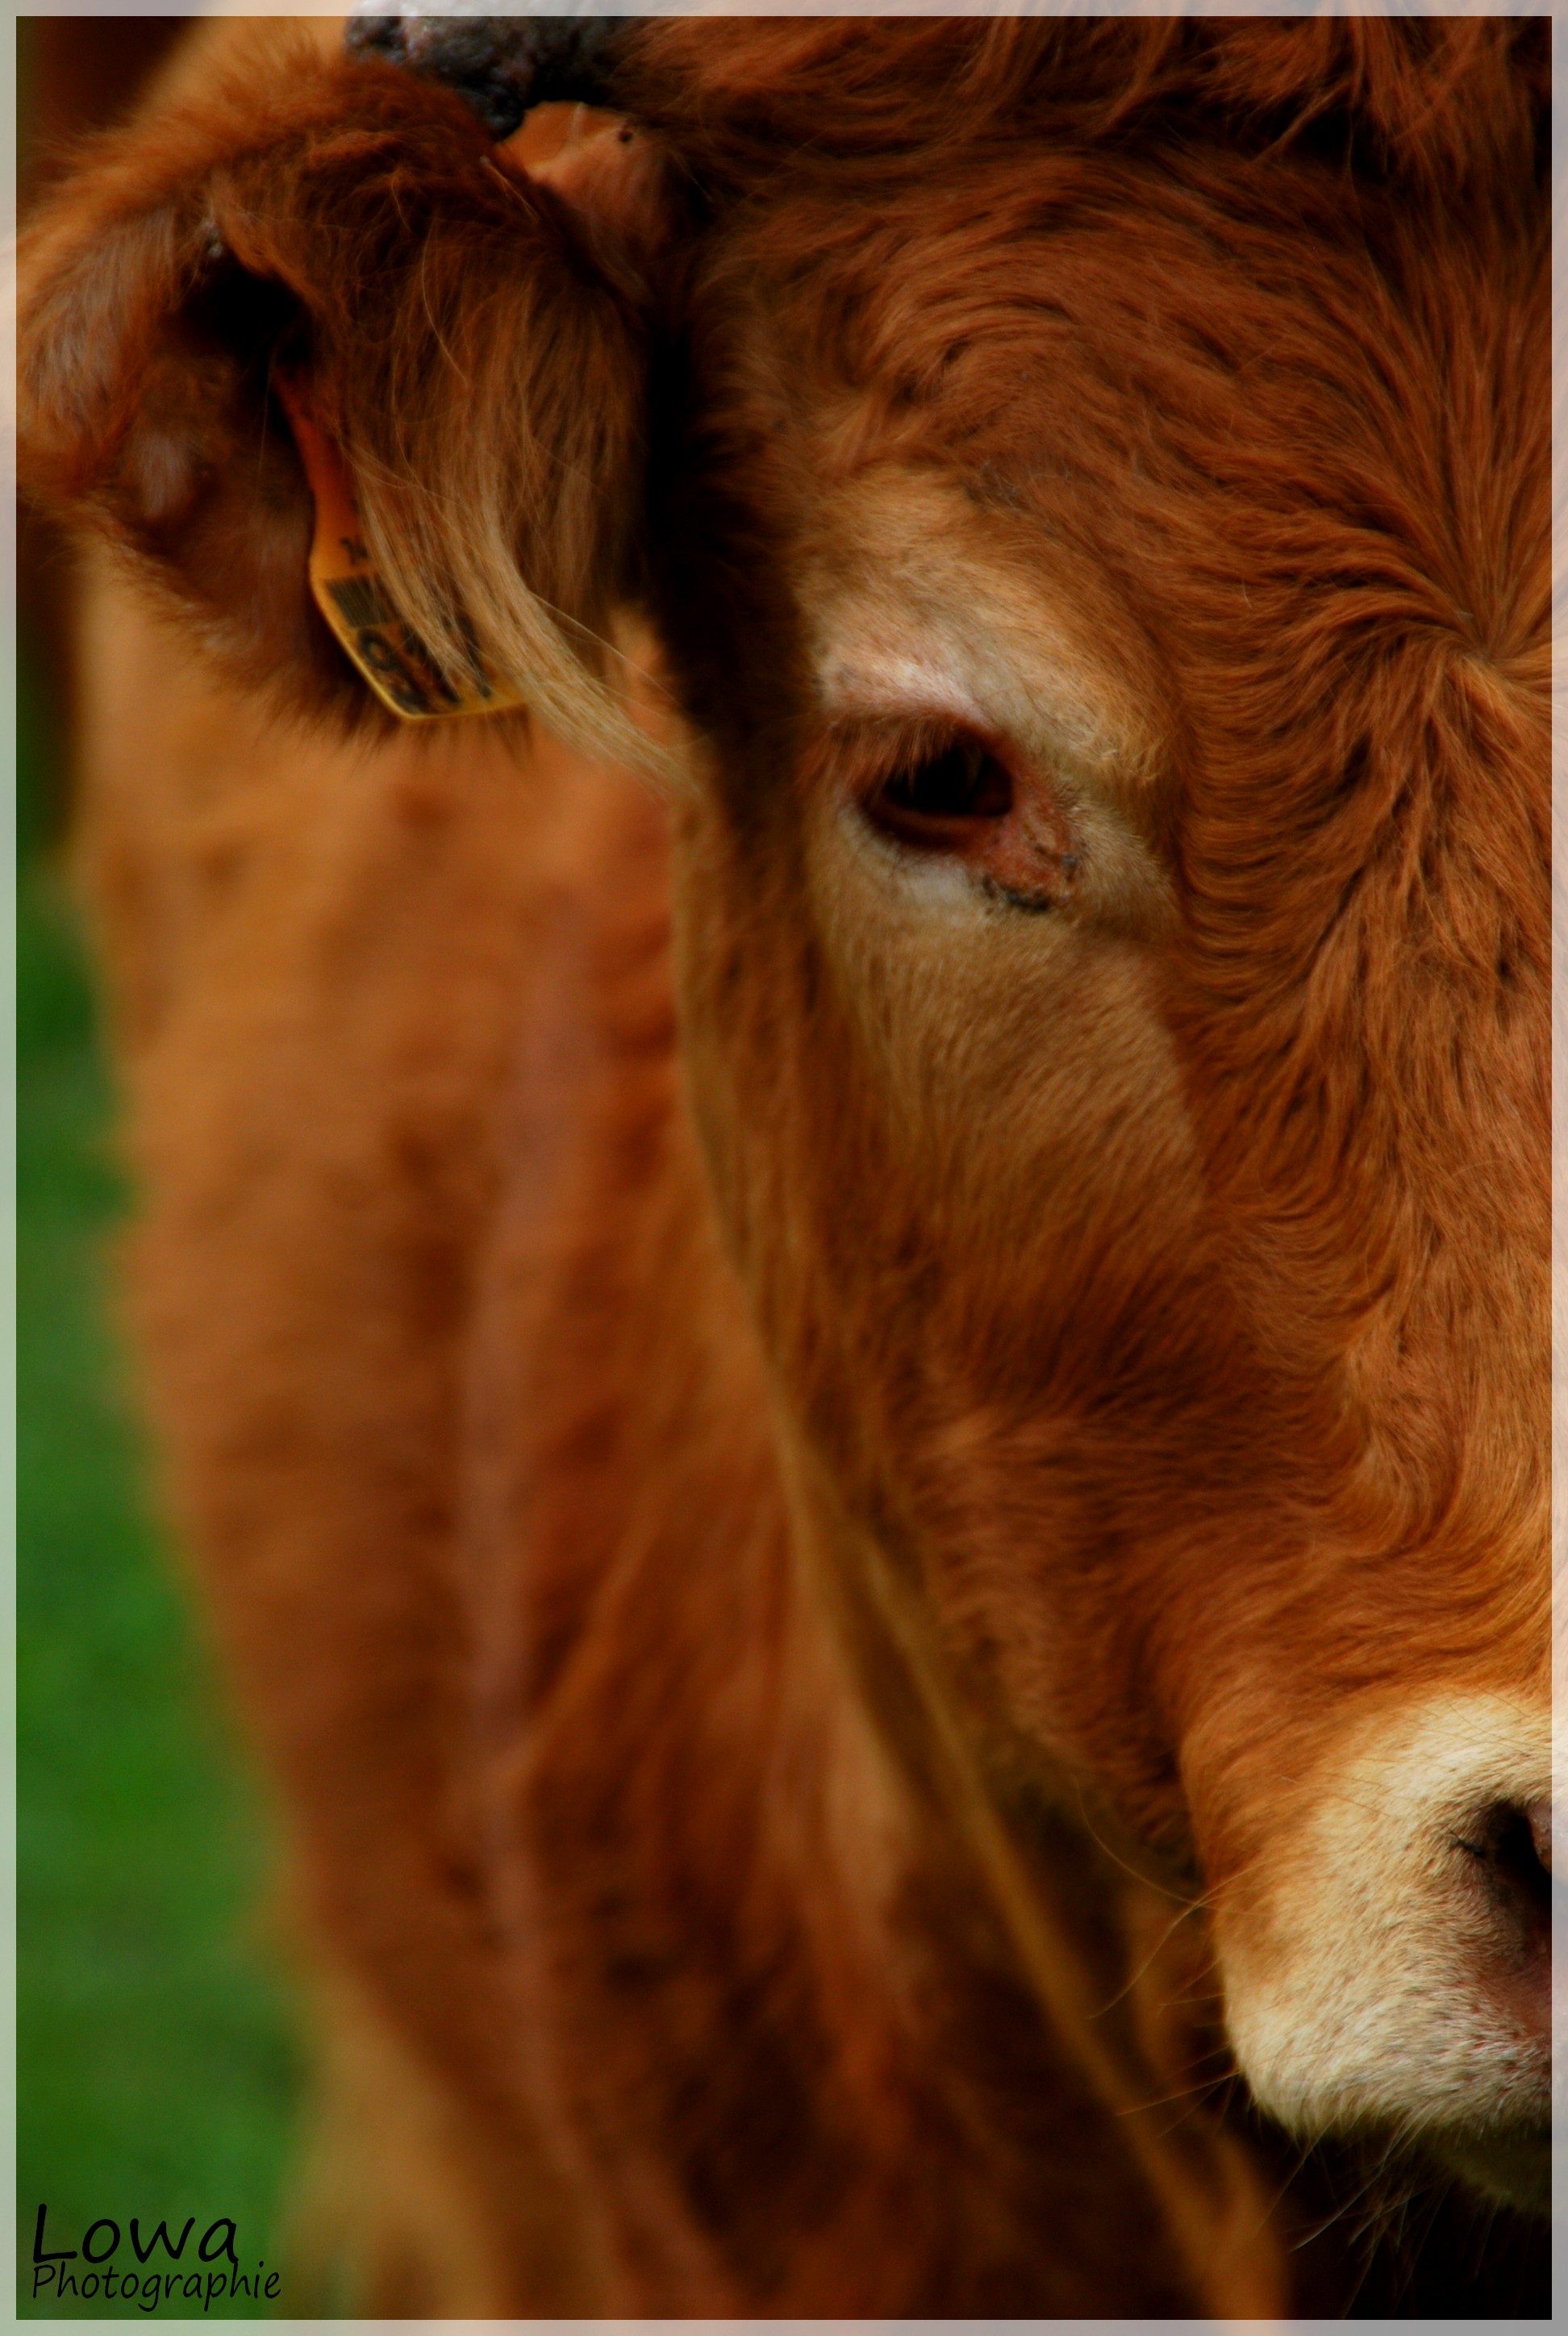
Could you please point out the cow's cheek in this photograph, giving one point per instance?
(950, 1150)
(1018, 1078)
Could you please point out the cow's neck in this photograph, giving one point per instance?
(1016, 1894)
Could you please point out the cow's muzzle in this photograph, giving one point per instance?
(1386, 1955)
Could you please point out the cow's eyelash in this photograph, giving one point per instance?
(929, 787)
(962, 780)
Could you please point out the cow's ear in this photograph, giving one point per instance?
(474, 342)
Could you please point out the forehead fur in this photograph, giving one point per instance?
(1290, 423)
(1292, 414)
(1441, 99)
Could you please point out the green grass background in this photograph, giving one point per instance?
(156, 2071)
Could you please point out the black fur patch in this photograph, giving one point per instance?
(501, 65)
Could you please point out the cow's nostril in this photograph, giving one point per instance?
(1511, 1845)
(1539, 1813)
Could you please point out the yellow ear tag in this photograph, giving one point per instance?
(348, 592)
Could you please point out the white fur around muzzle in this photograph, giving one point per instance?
(1359, 1959)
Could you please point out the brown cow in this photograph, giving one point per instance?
(868, 1426)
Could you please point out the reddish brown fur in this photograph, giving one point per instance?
(75, 73)
(743, 1555)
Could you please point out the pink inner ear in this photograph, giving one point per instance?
(160, 474)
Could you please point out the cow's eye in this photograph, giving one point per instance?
(937, 800)
(948, 793)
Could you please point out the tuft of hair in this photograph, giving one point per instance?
(477, 348)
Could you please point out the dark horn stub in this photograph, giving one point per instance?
(501, 65)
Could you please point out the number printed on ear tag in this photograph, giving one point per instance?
(348, 592)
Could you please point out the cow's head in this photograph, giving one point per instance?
(1089, 482)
